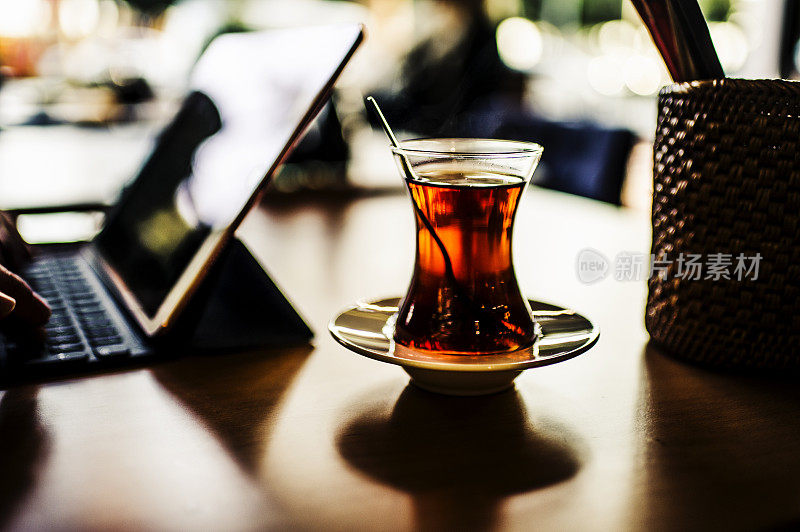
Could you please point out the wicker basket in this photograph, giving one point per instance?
(727, 181)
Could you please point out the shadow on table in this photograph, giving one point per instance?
(718, 450)
(23, 446)
(458, 457)
(234, 394)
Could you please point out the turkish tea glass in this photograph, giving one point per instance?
(464, 298)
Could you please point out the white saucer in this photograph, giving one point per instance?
(367, 329)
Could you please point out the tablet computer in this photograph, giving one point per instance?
(251, 97)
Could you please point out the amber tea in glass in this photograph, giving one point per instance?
(464, 297)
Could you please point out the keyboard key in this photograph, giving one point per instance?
(100, 332)
(52, 329)
(59, 321)
(96, 323)
(60, 359)
(107, 340)
(74, 290)
(46, 291)
(65, 348)
(55, 328)
(112, 351)
(61, 334)
(89, 313)
(65, 338)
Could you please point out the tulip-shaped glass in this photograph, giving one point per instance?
(464, 297)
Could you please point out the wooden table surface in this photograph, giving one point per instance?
(621, 437)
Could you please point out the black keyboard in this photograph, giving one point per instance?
(84, 328)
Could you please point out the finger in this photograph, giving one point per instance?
(30, 307)
(17, 244)
(16, 250)
(7, 304)
(11, 256)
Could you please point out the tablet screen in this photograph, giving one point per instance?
(250, 93)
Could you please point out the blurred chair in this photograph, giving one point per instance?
(581, 158)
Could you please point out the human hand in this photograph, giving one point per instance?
(14, 251)
(16, 297)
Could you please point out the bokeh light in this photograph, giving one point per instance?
(616, 36)
(731, 44)
(519, 43)
(23, 18)
(606, 74)
(78, 18)
(642, 74)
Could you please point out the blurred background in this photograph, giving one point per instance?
(85, 85)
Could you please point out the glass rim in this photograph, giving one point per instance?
(512, 148)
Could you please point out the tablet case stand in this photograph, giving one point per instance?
(237, 306)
